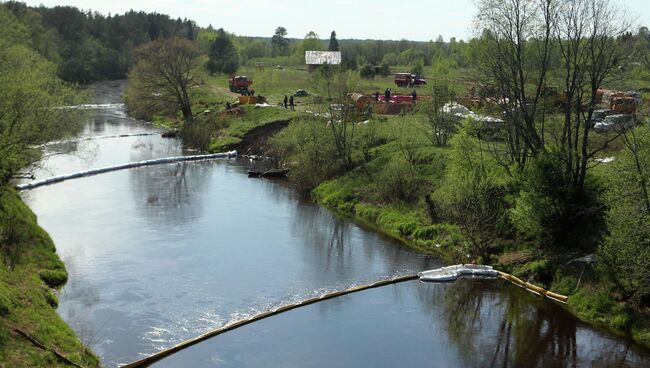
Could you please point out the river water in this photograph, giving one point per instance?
(160, 254)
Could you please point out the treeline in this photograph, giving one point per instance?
(88, 46)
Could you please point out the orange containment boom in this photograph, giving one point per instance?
(533, 288)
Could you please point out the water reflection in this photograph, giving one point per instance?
(462, 324)
(160, 254)
(163, 194)
(507, 327)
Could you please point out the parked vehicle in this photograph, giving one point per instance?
(409, 80)
(300, 93)
(239, 83)
(613, 122)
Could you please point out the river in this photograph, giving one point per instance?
(160, 254)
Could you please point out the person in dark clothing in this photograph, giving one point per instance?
(415, 96)
(291, 102)
(285, 101)
(387, 95)
(376, 96)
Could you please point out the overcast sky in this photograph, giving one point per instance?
(421, 20)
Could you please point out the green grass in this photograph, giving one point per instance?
(232, 129)
(27, 302)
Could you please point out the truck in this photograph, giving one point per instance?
(409, 80)
(239, 83)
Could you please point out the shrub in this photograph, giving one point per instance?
(308, 147)
(5, 301)
(54, 278)
(367, 72)
(472, 193)
(398, 180)
(548, 208)
(626, 249)
(51, 298)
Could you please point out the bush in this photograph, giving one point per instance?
(5, 301)
(367, 72)
(399, 181)
(472, 193)
(54, 278)
(308, 147)
(548, 209)
(535, 271)
(51, 298)
(626, 249)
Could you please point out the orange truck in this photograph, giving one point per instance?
(409, 80)
(623, 104)
(239, 83)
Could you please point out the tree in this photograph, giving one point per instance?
(165, 75)
(334, 43)
(279, 42)
(31, 101)
(472, 192)
(517, 45)
(334, 84)
(222, 57)
(439, 124)
(626, 249)
(311, 42)
(367, 72)
(586, 32)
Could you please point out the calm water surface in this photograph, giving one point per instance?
(160, 254)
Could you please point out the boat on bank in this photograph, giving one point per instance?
(451, 273)
(276, 173)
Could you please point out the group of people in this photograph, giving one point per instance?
(288, 102)
(387, 94)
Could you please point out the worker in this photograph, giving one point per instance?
(376, 96)
(291, 102)
(387, 95)
(415, 96)
(285, 101)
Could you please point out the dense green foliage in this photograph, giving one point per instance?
(89, 46)
(626, 250)
(164, 79)
(31, 101)
(27, 301)
(222, 57)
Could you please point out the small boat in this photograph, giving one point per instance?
(451, 273)
(277, 173)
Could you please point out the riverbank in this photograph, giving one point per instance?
(396, 169)
(592, 299)
(391, 190)
(31, 332)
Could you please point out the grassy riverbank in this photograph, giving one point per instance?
(29, 277)
(401, 184)
(594, 300)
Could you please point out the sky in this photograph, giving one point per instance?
(420, 20)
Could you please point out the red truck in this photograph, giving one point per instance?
(239, 83)
(409, 80)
